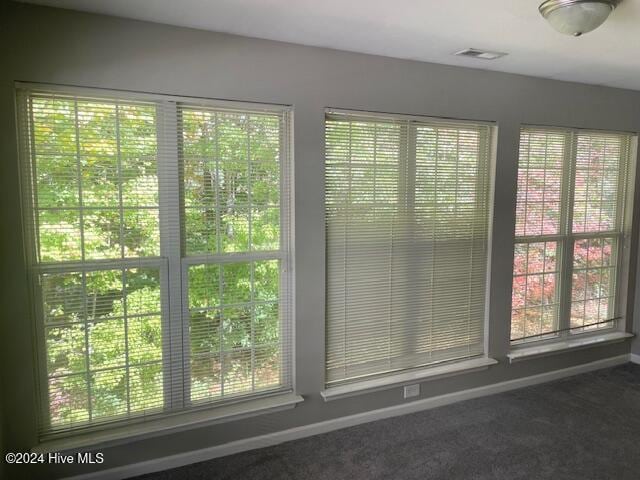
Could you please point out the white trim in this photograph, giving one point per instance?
(566, 238)
(543, 128)
(172, 423)
(175, 331)
(139, 96)
(288, 241)
(493, 167)
(536, 351)
(98, 264)
(634, 358)
(386, 116)
(218, 258)
(187, 458)
(341, 367)
(413, 376)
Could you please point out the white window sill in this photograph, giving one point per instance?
(172, 423)
(537, 351)
(391, 381)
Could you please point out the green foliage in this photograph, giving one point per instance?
(231, 182)
(96, 325)
(96, 191)
(233, 312)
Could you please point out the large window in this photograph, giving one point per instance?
(234, 210)
(407, 218)
(570, 228)
(158, 250)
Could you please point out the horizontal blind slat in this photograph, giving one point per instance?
(98, 173)
(407, 232)
(90, 167)
(236, 197)
(571, 183)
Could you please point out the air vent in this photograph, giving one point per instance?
(481, 54)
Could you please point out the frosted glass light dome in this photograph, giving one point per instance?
(575, 17)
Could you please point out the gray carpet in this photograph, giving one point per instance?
(583, 427)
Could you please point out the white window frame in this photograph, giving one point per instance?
(284, 255)
(438, 370)
(564, 339)
(172, 264)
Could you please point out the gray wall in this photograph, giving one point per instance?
(56, 46)
(2, 443)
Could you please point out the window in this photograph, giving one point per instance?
(570, 228)
(407, 225)
(235, 208)
(158, 246)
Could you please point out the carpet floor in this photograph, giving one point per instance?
(582, 427)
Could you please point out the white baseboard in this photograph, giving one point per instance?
(275, 438)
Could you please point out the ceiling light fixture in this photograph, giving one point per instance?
(575, 17)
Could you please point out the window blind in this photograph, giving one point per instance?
(569, 230)
(158, 253)
(407, 215)
(236, 211)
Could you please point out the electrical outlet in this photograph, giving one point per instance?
(412, 390)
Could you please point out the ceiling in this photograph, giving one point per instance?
(426, 30)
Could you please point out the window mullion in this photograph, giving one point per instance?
(285, 293)
(27, 154)
(408, 210)
(566, 225)
(576, 192)
(622, 239)
(175, 331)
